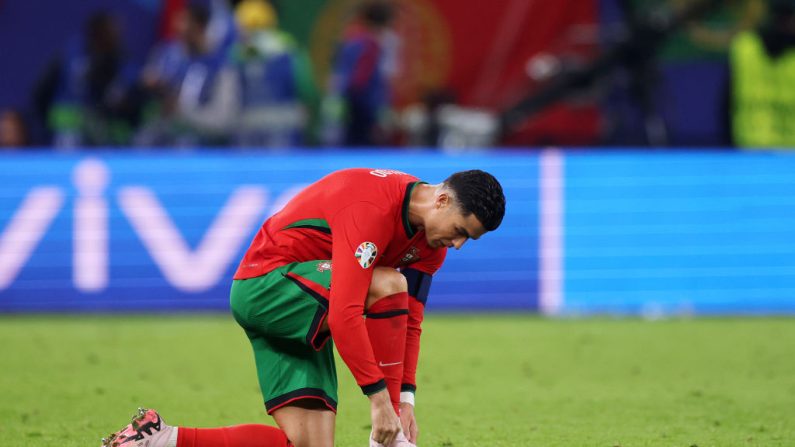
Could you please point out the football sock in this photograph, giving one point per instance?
(386, 323)
(249, 435)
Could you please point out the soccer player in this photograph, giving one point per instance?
(350, 258)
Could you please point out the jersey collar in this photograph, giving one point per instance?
(405, 213)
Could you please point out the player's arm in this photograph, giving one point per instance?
(360, 225)
(419, 284)
(356, 226)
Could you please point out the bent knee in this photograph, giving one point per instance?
(386, 281)
(306, 423)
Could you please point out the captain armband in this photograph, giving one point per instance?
(419, 284)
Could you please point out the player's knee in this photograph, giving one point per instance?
(306, 423)
(386, 282)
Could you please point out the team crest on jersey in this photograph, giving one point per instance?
(323, 266)
(366, 253)
(413, 255)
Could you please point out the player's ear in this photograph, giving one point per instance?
(442, 200)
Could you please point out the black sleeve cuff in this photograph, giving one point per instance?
(408, 387)
(374, 387)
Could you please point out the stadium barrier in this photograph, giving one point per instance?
(585, 232)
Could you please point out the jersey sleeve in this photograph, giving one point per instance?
(418, 276)
(360, 234)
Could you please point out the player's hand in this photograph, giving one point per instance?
(386, 424)
(409, 422)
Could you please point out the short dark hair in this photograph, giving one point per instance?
(480, 193)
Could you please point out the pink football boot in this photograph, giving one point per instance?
(147, 429)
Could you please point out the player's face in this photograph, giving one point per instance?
(447, 226)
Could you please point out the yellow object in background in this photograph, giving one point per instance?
(255, 15)
(763, 95)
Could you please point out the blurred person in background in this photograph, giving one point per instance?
(191, 87)
(86, 91)
(357, 106)
(222, 29)
(762, 97)
(276, 80)
(13, 131)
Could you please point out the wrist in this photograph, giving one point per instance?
(374, 388)
(379, 398)
(407, 392)
(407, 397)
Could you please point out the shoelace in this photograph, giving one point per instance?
(106, 442)
(138, 417)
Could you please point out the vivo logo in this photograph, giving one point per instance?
(186, 269)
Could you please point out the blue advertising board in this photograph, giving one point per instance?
(682, 233)
(158, 231)
(652, 233)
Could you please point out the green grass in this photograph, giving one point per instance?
(484, 380)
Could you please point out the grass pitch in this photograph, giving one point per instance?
(484, 380)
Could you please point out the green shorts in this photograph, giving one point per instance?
(282, 313)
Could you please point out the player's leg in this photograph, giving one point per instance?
(247, 435)
(387, 321)
(148, 429)
(282, 313)
(283, 317)
(299, 388)
(307, 423)
(386, 282)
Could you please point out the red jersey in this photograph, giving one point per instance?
(358, 219)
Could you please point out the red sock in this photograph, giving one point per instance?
(386, 323)
(249, 435)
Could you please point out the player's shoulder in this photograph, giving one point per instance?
(367, 191)
(375, 175)
(378, 183)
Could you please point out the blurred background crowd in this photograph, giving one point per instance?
(427, 73)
